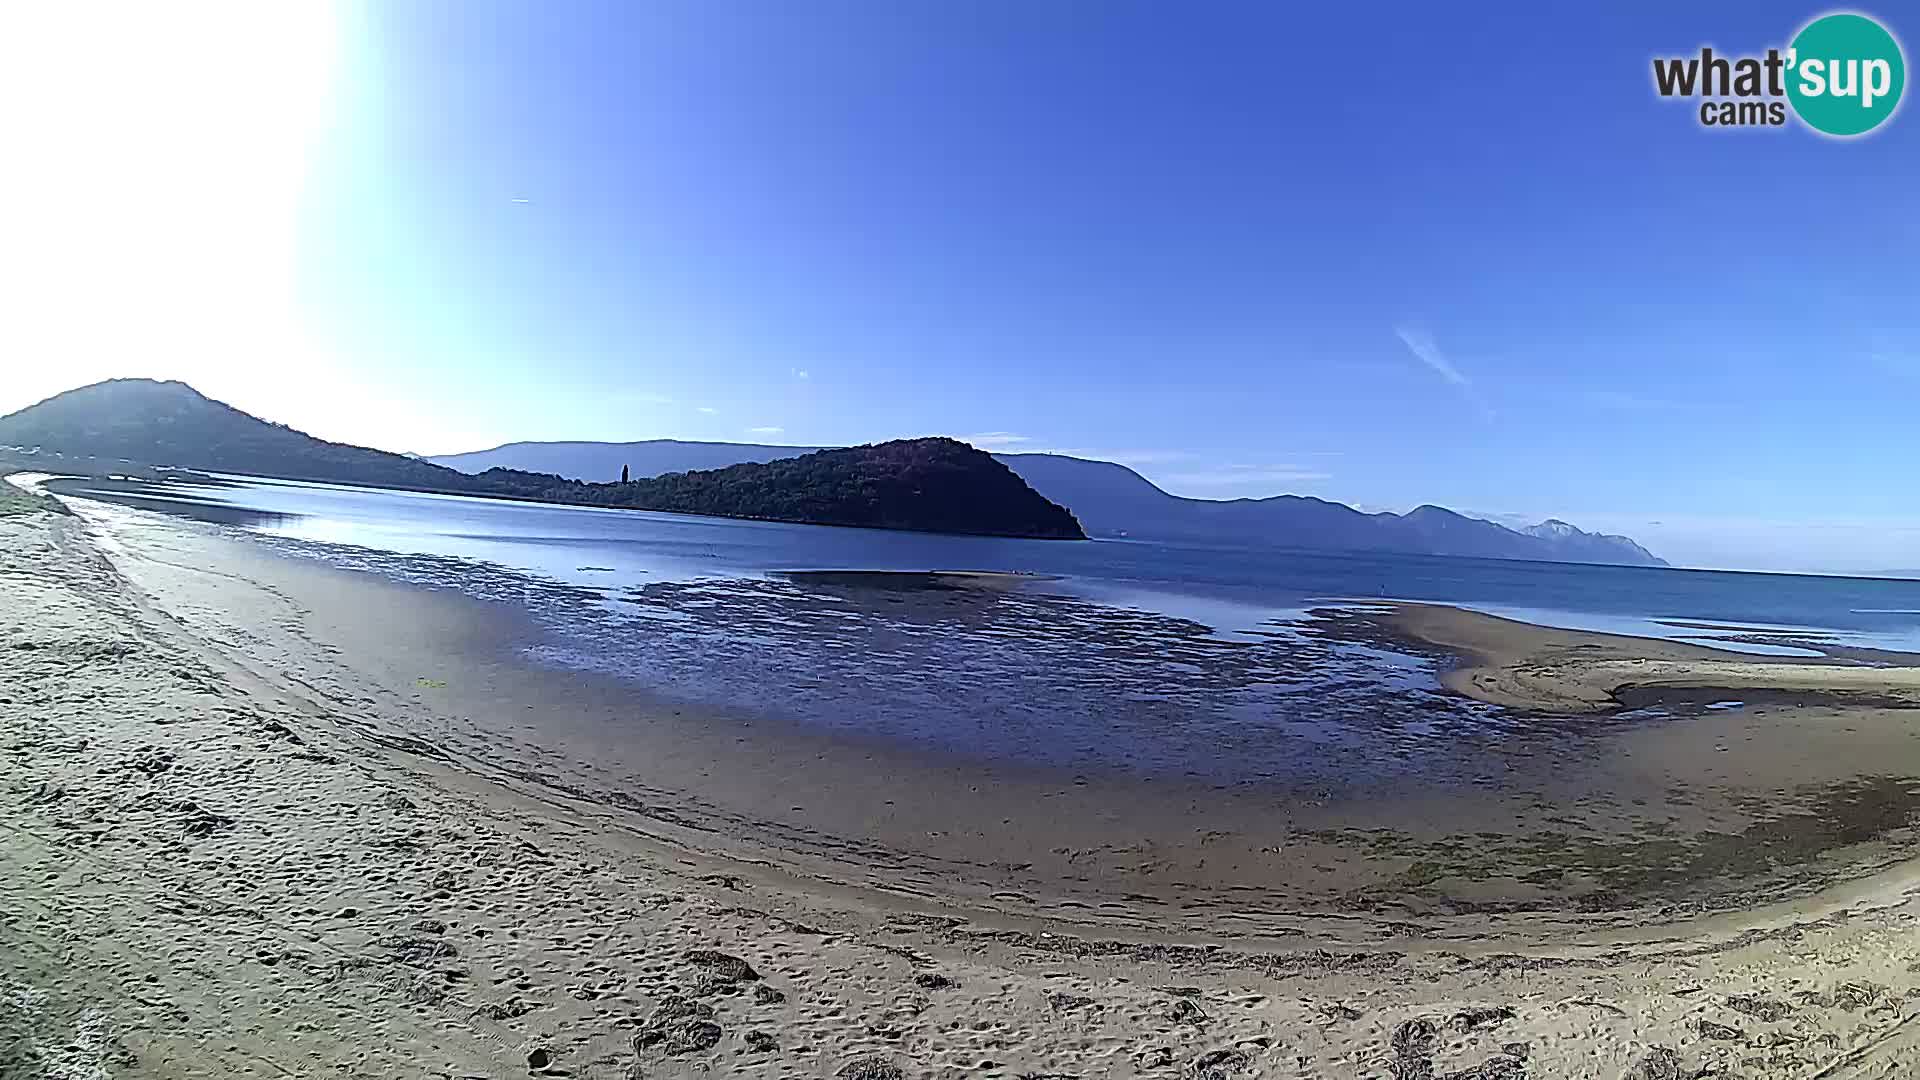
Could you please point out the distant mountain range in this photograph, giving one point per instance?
(931, 485)
(1113, 500)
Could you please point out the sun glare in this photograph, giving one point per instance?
(154, 165)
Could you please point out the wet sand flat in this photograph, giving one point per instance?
(274, 797)
(1561, 818)
(1542, 669)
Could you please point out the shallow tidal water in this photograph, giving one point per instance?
(1229, 667)
(1128, 731)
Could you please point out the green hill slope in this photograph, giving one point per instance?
(931, 485)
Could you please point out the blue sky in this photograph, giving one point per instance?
(1387, 256)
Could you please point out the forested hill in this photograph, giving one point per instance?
(932, 485)
(1112, 500)
(936, 485)
(171, 423)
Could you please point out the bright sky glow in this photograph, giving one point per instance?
(152, 194)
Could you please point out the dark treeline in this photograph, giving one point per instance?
(937, 485)
(933, 485)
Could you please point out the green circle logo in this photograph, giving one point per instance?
(1845, 74)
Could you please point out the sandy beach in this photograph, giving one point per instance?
(265, 817)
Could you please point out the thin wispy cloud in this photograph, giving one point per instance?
(707, 409)
(1622, 401)
(1427, 351)
(1244, 476)
(1509, 519)
(1118, 457)
(802, 374)
(988, 440)
(1906, 365)
(766, 431)
(641, 397)
(1144, 457)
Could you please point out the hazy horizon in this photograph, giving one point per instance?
(1495, 273)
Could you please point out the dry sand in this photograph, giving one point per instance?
(235, 840)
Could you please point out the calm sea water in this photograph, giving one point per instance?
(1141, 656)
(1227, 587)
